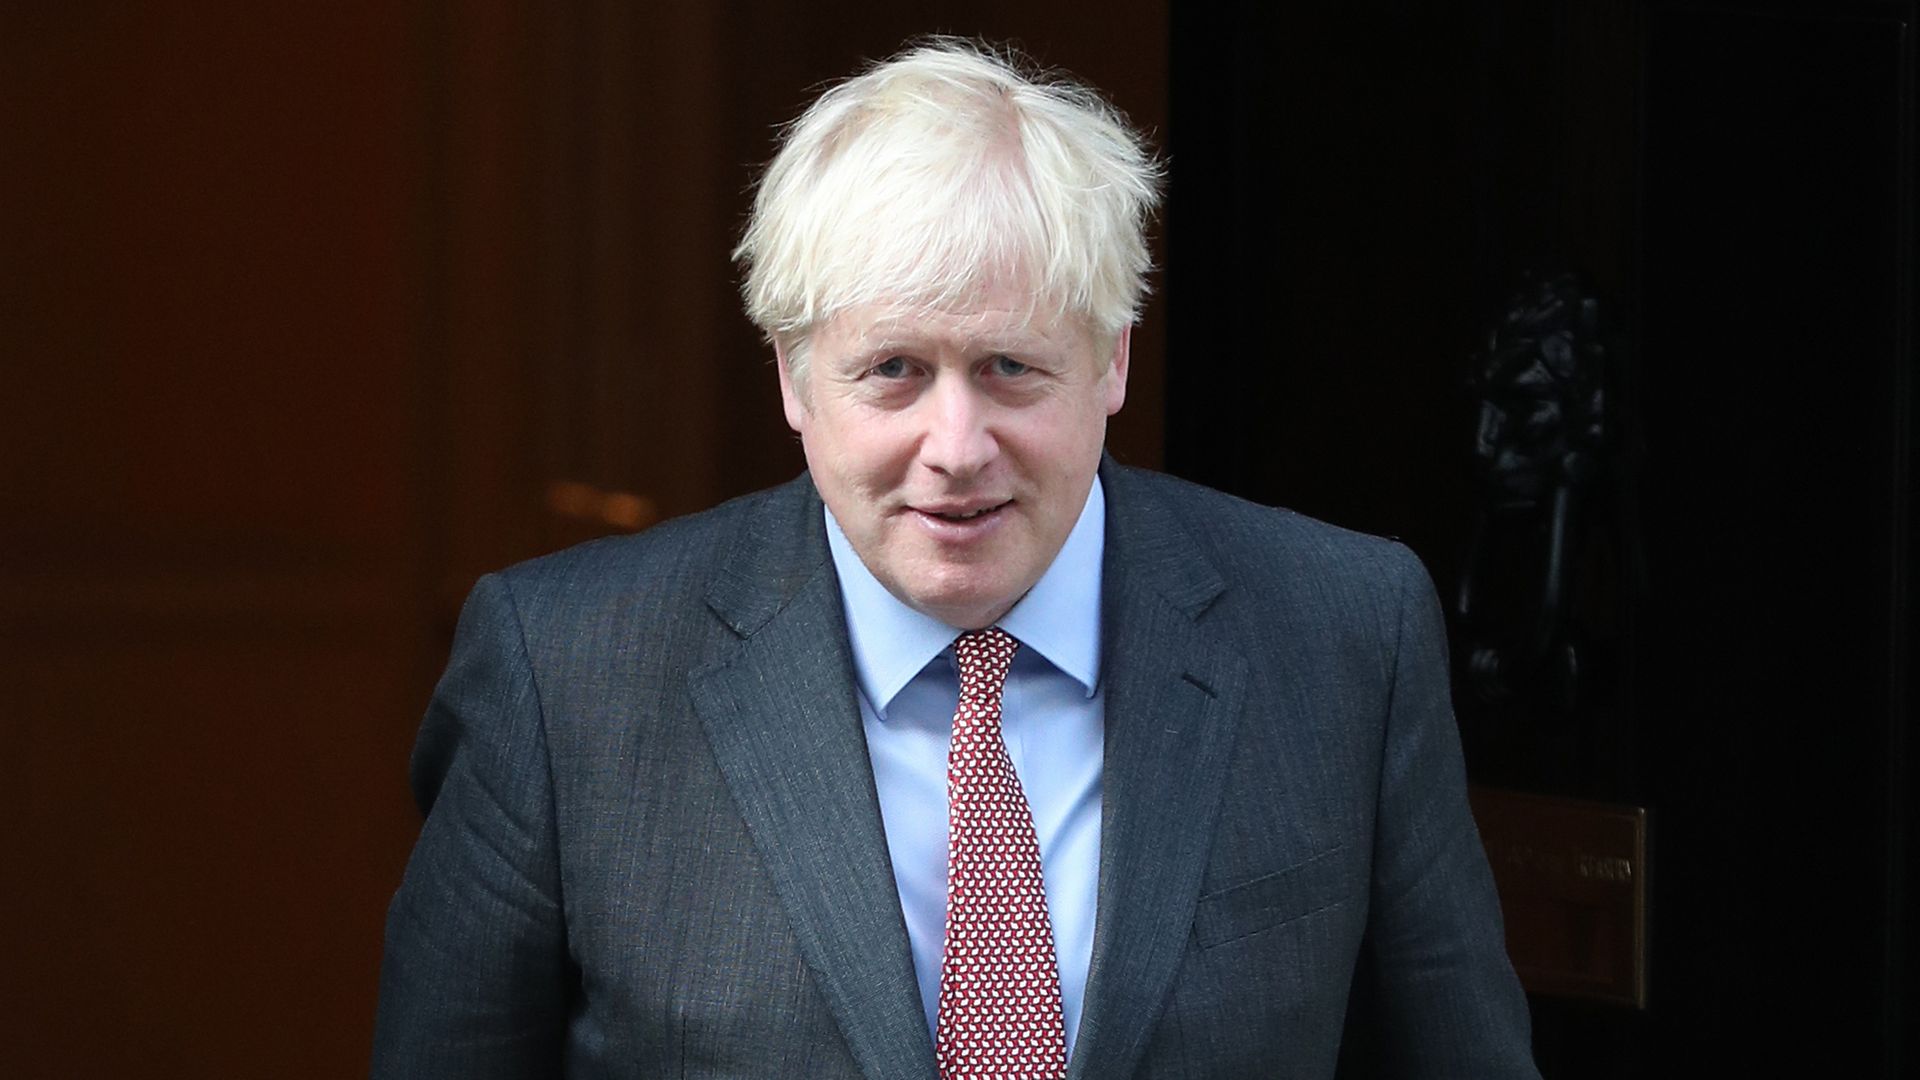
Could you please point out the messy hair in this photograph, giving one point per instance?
(930, 175)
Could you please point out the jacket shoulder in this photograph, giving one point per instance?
(685, 548)
(1249, 542)
(606, 591)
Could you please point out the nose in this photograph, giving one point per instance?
(958, 440)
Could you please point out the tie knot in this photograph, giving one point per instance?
(983, 657)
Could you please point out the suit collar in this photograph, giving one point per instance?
(1174, 688)
(778, 549)
(1147, 541)
(780, 713)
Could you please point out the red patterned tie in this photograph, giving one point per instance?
(999, 981)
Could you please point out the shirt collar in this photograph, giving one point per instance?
(1059, 618)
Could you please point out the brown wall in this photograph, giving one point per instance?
(307, 317)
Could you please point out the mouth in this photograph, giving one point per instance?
(963, 514)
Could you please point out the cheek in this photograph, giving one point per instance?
(1067, 442)
(863, 456)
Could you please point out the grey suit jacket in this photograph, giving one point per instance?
(653, 848)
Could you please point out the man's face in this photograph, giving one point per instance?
(956, 448)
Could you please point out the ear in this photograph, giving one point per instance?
(1116, 376)
(790, 400)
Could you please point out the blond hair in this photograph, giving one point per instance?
(927, 176)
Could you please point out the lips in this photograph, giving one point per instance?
(960, 513)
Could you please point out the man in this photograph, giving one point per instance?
(969, 753)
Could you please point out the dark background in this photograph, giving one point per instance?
(310, 315)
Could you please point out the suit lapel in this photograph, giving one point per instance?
(1172, 700)
(784, 723)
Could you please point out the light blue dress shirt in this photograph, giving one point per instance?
(1053, 720)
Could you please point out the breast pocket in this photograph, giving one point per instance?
(1271, 900)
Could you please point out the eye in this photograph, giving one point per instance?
(893, 367)
(1007, 366)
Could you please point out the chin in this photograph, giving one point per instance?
(967, 609)
(956, 611)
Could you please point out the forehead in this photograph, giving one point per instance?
(998, 319)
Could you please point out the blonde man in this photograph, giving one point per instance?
(968, 753)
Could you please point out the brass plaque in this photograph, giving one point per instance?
(1572, 877)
